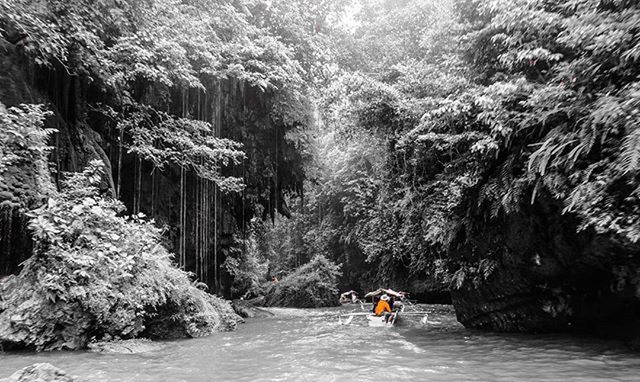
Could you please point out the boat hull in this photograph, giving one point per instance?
(379, 321)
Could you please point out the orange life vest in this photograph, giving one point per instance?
(382, 307)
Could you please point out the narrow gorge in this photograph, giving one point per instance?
(164, 162)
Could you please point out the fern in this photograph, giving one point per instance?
(573, 156)
(486, 267)
(629, 160)
(513, 195)
(458, 278)
(539, 160)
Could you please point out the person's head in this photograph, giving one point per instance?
(384, 297)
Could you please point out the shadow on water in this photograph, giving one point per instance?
(310, 345)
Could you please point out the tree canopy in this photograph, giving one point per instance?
(452, 114)
(390, 140)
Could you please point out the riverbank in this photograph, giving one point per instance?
(300, 344)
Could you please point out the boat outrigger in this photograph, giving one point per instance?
(350, 297)
(397, 302)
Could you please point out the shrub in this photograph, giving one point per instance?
(313, 285)
(248, 269)
(97, 274)
(24, 176)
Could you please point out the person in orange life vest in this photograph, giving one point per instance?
(382, 306)
(375, 301)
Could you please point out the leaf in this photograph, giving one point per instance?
(629, 158)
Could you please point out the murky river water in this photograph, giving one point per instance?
(305, 345)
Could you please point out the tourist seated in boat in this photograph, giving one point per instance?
(392, 298)
(374, 301)
(382, 306)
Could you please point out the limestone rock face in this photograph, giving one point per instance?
(548, 276)
(40, 372)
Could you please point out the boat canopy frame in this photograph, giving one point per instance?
(381, 291)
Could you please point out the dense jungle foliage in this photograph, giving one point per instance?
(148, 59)
(148, 81)
(451, 115)
(215, 93)
(313, 285)
(352, 144)
(94, 273)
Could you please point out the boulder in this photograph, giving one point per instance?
(40, 372)
(246, 309)
(134, 346)
(197, 314)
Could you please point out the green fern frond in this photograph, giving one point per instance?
(458, 278)
(486, 267)
(513, 196)
(496, 206)
(573, 156)
(539, 160)
(629, 159)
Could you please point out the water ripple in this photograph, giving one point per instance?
(310, 345)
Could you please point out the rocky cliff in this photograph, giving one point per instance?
(547, 276)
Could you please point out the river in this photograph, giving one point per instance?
(310, 345)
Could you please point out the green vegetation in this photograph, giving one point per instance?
(144, 55)
(215, 93)
(451, 117)
(431, 145)
(96, 274)
(24, 174)
(132, 82)
(313, 285)
(248, 268)
(363, 207)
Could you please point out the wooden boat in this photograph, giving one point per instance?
(350, 297)
(377, 321)
(387, 320)
(388, 292)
